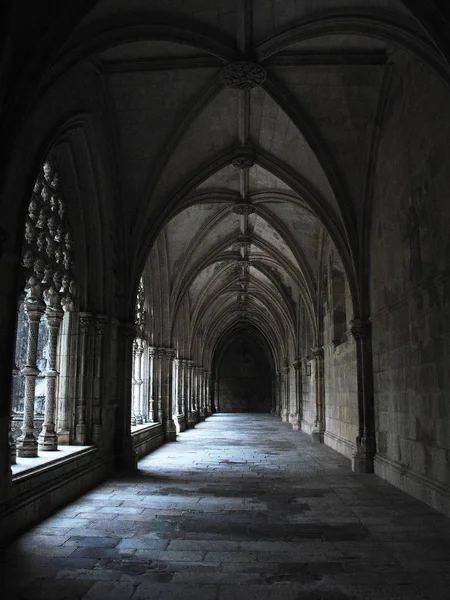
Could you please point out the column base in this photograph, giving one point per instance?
(191, 420)
(47, 440)
(284, 415)
(363, 458)
(27, 446)
(139, 420)
(80, 434)
(170, 431)
(317, 435)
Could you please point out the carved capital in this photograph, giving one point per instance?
(100, 322)
(152, 351)
(170, 354)
(161, 353)
(85, 322)
(243, 75)
(360, 329)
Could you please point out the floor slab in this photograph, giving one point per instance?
(241, 507)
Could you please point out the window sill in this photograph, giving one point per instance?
(45, 460)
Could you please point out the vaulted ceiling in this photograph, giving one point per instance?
(242, 135)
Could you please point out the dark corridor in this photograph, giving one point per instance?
(245, 380)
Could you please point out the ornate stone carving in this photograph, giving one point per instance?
(243, 162)
(243, 208)
(46, 253)
(140, 313)
(243, 75)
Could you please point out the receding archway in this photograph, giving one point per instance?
(244, 374)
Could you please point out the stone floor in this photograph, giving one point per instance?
(240, 507)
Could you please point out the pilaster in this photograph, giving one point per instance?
(318, 431)
(363, 458)
(125, 455)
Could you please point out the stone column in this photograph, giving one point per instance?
(363, 458)
(12, 444)
(285, 394)
(151, 385)
(83, 378)
(125, 454)
(201, 394)
(170, 431)
(190, 394)
(100, 323)
(159, 360)
(179, 399)
(67, 381)
(319, 422)
(209, 410)
(48, 440)
(138, 380)
(182, 388)
(133, 386)
(298, 416)
(27, 445)
(216, 397)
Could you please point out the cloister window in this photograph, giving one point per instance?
(48, 297)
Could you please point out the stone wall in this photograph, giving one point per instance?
(341, 401)
(410, 287)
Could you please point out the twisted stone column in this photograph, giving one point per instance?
(27, 445)
(363, 458)
(319, 422)
(48, 440)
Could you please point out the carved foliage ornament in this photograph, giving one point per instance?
(243, 75)
(47, 249)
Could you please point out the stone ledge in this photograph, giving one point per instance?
(147, 438)
(36, 494)
(414, 483)
(46, 460)
(339, 444)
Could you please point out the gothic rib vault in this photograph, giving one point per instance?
(267, 169)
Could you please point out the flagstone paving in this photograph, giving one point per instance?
(241, 507)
